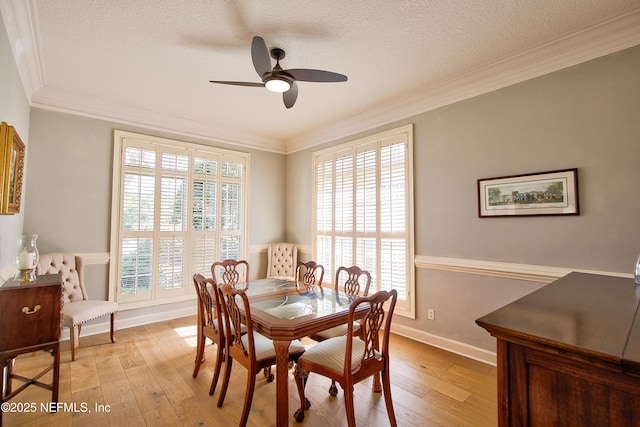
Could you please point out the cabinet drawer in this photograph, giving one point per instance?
(29, 315)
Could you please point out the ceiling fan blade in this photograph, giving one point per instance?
(289, 97)
(260, 56)
(250, 84)
(308, 75)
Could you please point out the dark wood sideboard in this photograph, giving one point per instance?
(568, 354)
(30, 320)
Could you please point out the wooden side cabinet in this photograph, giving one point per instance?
(30, 320)
(568, 354)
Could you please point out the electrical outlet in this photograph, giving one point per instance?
(431, 314)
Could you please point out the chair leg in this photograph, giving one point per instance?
(268, 374)
(348, 405)
(225, 381)
(377, 388)
(216, 372)
(199, 352)
(333, 389)
(300, 375)
(386, 384)
(75, 338)
(248, 397)
(114, 317)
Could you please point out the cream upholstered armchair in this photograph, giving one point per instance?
(283, 260)
(77, 308)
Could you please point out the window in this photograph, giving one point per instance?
(363, 211)
(177, 208)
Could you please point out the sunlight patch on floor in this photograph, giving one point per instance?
(189, 334)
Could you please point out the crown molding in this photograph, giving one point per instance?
(601, 39)
(19, 22)
(50, 98)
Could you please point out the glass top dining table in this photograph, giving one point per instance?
(283, 311)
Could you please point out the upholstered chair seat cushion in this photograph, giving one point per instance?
(264, 346)
(334, 332)
(84, 311)
(330, 353)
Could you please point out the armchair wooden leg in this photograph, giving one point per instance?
(225, 381)
(199, 351)
(75, 337)
(114, 317)
(349, 407)
(386, 384)
(218, 367)
(248, 397)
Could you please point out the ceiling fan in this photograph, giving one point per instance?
(277, 79)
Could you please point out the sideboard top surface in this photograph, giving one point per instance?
(588, 314)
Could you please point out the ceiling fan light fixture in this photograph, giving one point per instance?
(277, 84)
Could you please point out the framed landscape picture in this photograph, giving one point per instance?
(543, 193)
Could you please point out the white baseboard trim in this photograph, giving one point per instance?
(447, 344)
(131, 322)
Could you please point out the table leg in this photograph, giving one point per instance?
(282, 382)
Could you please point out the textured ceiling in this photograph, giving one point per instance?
(150, 61)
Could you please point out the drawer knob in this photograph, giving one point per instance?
(26, 310)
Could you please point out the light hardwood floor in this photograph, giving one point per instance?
(145, 379)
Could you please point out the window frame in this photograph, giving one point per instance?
(192, 150)
(406, 307)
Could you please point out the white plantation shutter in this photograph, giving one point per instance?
(171, 258)
(363, 211)
(393, 215)
(180, 208)
(204, 240)
(323, 214)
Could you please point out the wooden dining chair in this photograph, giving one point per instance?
(350, 358)
(209, 326)
(234, 272)
(353, 281)
(230, 271)
(309, 273)
(252, 350)
(350, 280)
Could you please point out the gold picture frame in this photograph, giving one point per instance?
(11, 169)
